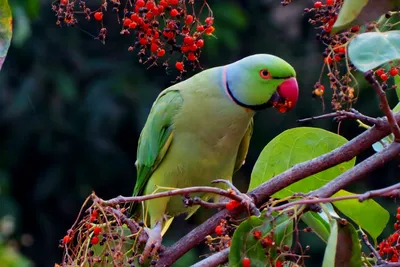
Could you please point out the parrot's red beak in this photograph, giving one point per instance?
(286, 95)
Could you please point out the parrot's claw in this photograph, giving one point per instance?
(153, 242)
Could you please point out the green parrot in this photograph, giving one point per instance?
(199, 130)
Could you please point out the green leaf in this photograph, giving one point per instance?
(295, 146)
(348, 13)
(319, 222)
(5, 30)
(343, 248)
(372, 49)
(244, 244)
(376, 220)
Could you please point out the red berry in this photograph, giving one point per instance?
(384, 77)
(149, 15)
(318, 4)
(92, 218)
(134, 17)
(164, 3)
(278, 263)
(355, 28)
(200, 43)
(268, 241)
(66, 239)
(246, 262)
(230, 206)
(95, 240)
(185, 48)
(219, 230)
(98, 15)
(200, 28)
(396, 226)
(192, 57)
(150, 5)
(188, 40)
(127, 22)
(209, 20)
(63, 2)
(328, 60)
(330, 2)
(156, 11)
(154, 47)
(96, 230)
(174, 12)
(173, 2)
(132, 25)
(161, 53)
(143, 41)
(398, 217)
(179, 66)
(210, 30)
(193, 48)
(398, 210)
(394, 71)
(257, 234)
(95, 213)
(189, 19)
(337, 58)
(140, 3)
(379, 72)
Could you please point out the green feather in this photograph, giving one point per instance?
(156, 136)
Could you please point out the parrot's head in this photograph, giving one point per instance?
(261, 81)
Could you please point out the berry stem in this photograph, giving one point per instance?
(369, 76)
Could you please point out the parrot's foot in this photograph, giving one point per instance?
(246, 200)
(153, 243)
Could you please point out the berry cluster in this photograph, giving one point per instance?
(323, 15)
(390, 247)
(159, 27)
(101, 236)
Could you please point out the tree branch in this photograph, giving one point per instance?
(260, 194)
(214, 260)
(391, 191)
(375, 161)
(369, 76)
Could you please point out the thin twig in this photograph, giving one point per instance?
(174, 192)
(298, 172)
(373, 250)
(369, 76)
(208, 205)
(341, 115)
(391, 191)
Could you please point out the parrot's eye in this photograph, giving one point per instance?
(264, 73)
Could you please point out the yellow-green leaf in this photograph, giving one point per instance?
(348, 13)
(376, 220)
(5, 30)
(295, 146)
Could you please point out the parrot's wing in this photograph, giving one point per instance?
(156, 136)
(244, 147)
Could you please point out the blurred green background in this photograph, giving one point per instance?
(71, 111)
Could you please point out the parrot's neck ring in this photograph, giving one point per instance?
(234, 99)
